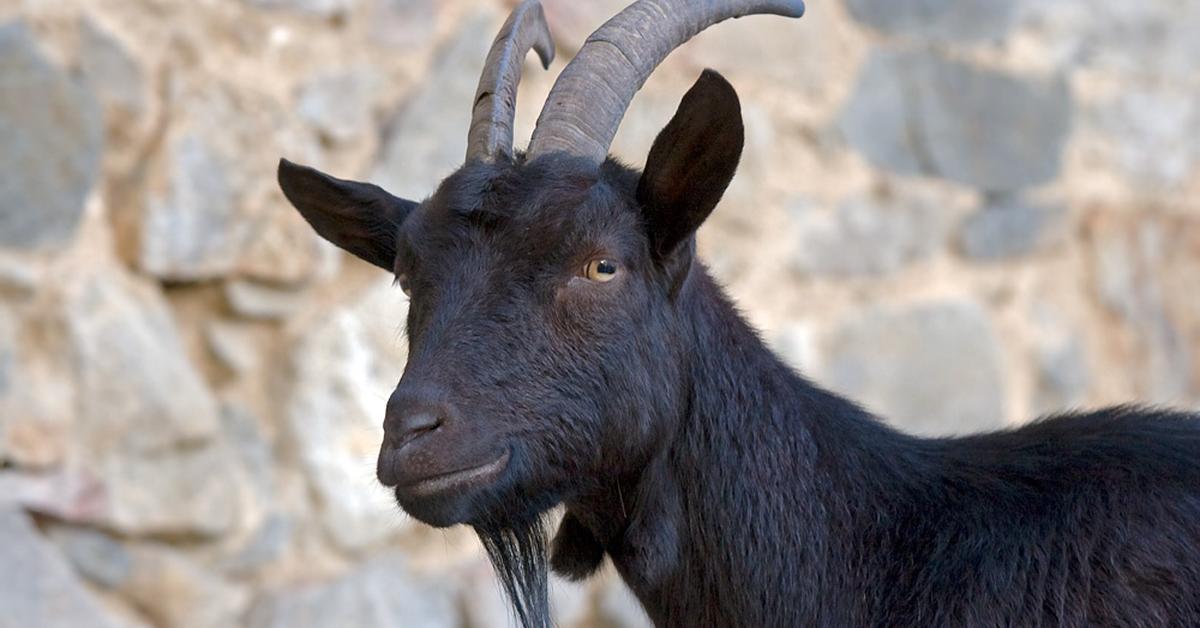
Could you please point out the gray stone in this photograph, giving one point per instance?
(1062, 377)
(260, 301)
(427, 138)
(95, 555)
(916, 112)
(344, 370)
(37, 587)
(1153, 39)
(269, 544)
(18, 277)
(53, 139)
(868, 236)
(65, 494)
(131, 362)
(1127, 261)
(404, 23)
(37, 402)
(1152, 131)
(937, 20)
(8, 358)
(380, 594)
(1010, 229)
(246, 436)
(173, 590)
(933, 368)
(234, 346)
(879, 119)
(195, 230)
(319, 8)
(147, 423)
(194, 491)
(339, 104)
(110, 70)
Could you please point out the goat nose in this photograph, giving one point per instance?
(414, 424)
(408, 418)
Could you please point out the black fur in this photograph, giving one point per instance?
(726, 489)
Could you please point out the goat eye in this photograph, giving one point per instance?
(600, 270)
(402, 281)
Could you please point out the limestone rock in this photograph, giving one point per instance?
(110, 70)
(937, 20)
(1151, 130)
(131, 362)
(18, 277)
(259, 301)
(427, 139)
(195, 230)
(164, 584)
(37, 400)
(1062, 377)
(380, 594)
(1010, 229)
(172, 590)
(319, 8)
(53, 139)
(868, 236)
(146, 424)
(339, 104)
(95, 555)
(234, 346)
(1154, 39)
(189, 491)
(37, 587)
(932, 368)
(345, 369)
(1127, 262)
(915, 112)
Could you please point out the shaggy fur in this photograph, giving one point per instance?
(726, 489)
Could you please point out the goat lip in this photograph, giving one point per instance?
(462, 478)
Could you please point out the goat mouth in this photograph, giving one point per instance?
(460, 479)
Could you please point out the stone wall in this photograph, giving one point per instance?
(963, 213)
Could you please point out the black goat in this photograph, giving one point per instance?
(567, 348)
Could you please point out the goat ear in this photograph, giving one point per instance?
(358, 217)
(691, 162)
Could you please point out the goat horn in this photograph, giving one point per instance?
(587, 102)
(491, 133)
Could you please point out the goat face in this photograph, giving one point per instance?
(543, 325)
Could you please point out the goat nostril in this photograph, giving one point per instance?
(415, 425)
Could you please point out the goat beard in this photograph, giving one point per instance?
(518, 552)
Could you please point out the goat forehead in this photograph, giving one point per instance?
(532, 220)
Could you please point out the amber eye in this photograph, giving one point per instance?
(402, 281)
(600, 270)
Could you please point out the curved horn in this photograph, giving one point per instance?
(491, 133)
(590, 97)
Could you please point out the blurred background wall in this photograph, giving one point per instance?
(963, 213)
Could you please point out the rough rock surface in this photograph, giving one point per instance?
(937, 20)
(52, 150)
(916, 112)
(381, 594)
(933, 368)
(37, 587)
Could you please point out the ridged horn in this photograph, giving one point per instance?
(587, 102)
(491, 132)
